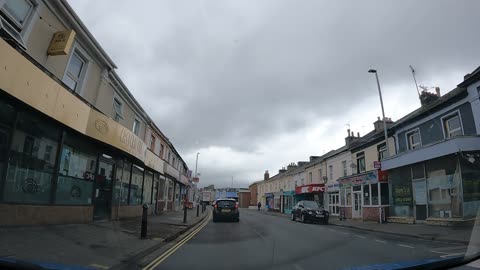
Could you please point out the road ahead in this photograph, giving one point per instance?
(261, 241)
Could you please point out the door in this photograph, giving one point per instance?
(102, 196)
(420, 197)
(357, 205)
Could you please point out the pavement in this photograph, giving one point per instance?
(265, 241)
(98, 245)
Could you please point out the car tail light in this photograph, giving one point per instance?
(215, 206)
(236, 205)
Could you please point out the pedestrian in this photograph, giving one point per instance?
(259, 205)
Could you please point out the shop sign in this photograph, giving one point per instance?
(377, 164)
(61, 42)
(333, 187)
(195, 179)
(361, 179)
(268, 195)
(313, 188)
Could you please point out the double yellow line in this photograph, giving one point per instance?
(171, 250)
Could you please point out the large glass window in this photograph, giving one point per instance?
(374, 194)
(136, 186)
(120, 192)
(401, 192)
(31, 161)
(366, 194)
(384, 193)
(76, 173)
(470, 164)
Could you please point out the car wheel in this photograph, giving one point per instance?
(293, 216)
(303, 218)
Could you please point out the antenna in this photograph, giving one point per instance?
(415, 80)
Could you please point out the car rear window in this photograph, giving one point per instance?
(226, 203)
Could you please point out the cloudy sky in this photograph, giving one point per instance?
(255, 85)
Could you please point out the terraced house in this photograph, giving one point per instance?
(75, 144)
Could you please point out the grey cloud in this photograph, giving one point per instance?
(240, 73)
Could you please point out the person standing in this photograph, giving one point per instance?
(259, 205)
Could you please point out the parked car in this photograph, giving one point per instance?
(225, 209)
(310, 211)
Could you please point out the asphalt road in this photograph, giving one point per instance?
(261, 241)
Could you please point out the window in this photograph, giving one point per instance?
(136, 127)
(136, 186)
(117, 110)
(173, 161)
(169, 156)
(374, 194)
(17, 12)
(360, 162)
(452, 126)
(366, 194)
(384, 193)
(161, 150)
(75, 70)
(320, 174)
(344, 167)
(152, 142)
(382, 151)
(310, 177)
(414, 140)
(330, 172)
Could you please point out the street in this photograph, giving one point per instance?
(261, 241)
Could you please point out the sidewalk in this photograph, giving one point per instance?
(98, 245)
(457, 235)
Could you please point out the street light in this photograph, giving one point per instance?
(383, 112)
(196, 164)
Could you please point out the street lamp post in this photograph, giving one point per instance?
(196, 164)
(383, 111)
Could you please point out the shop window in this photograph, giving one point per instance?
(120, 192)
(374, 194)
(361, 163)
(470, 164)
(401, 192)
(452, 125)
(30, 170)
(147, 188)
(418, 171)
(136, 186)
(443, 184)
(366, 194)
(76, 177)
(170, 190)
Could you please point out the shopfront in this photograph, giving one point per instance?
(288, 201)
(364, 196)
(312, 192)
(269, 202)
(333, 198)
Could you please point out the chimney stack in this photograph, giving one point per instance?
(437, 89)
(358, 134)
(378, 125)
(266, 176)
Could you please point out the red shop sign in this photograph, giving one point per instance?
(313, 188)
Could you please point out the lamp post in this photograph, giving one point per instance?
(383, 111)
(196, 164)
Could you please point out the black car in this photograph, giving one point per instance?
(310, 211)
(225, 209)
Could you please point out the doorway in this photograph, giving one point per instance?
(102, 202)
(420, 197)
(357, 204)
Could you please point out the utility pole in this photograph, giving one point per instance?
(383, 111)
(415, 80)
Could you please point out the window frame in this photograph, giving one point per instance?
(409, 135)
(152, 140)
(83, 56)
(120, 114)
(344, 168)
(330, 172)
(136, 126)
(360, 156)
(445, 128)
(310, 177)
(21, 28)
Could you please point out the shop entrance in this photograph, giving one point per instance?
(357, 204)
(420, 196)
(102, 196)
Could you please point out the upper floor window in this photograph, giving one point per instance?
(310, 177)
(173, 161)
(161, 150)
(361, 162)
(17, 13)
(75, 70)
(136, 126)
(152, 143)
(330, 172)
(344, 167)
(414, 140)
(382, 151)
(320, 173)
(452, 126)
(117, 110)
(169, 156)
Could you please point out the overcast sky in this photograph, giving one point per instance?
(255, 85)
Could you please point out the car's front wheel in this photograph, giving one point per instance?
(303, 218)
(293, 217)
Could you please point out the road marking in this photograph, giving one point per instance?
(359, 236)
(346, 233)
(170, 251)
(381, 241)
(454, 254)
(99, 266)
(298, 267)
(400, 245)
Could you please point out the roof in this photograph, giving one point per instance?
(470, 78)
(428, 108)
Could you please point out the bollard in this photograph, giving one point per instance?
(185, 213)
(198, 209)
(143, 233)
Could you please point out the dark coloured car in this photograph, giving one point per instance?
(226, 209)
(310, 211)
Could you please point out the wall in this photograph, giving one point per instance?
(44, 215)
(371, 155)
(253, 194)
(336, 162)
(432, 130)
(474, 97)
(315, 172)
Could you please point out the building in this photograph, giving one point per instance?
(434, 176)
(254, 191)
(76, 145)
(244, 198)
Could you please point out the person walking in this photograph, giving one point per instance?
(259, 205)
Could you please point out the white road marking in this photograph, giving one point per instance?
(359, 236)
(451, 255)
(331, 230)
(298, 267)
(381, 241)
(400, 245)
(345, 233)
